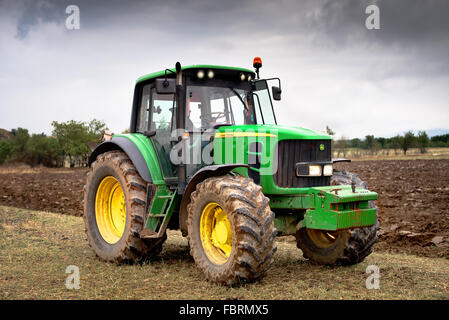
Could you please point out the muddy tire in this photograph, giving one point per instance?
(114, 172)
(251, 232)
(344, 247)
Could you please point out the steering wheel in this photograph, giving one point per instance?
(220, 114)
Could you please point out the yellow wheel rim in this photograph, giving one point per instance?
(322, 238)
(110, 209)
(216, 233)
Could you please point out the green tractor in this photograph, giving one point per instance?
(205, 155)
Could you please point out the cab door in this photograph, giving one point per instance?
(157, 117)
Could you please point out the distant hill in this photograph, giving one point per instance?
(4, 134)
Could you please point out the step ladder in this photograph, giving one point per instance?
(160, 213)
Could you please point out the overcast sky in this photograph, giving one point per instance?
(334, 70)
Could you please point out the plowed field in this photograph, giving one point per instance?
(413, 199)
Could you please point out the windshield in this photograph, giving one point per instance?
(208, 107)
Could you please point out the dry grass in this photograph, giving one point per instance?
(384, 154)
(36, 247)
(20, 168)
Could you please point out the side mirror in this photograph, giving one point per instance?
(276, 91)
(165, 85)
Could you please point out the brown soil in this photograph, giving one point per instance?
(413, 203)
(413, 199)
(54, 190)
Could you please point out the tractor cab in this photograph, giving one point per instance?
(193, 103)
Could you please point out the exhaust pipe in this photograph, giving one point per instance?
(180, 124)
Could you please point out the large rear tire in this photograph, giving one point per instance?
(231, 230)
(114, 210)
(344, 247)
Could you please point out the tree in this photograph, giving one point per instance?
(18, 142)
(407, 141)
(5, 150)
(41, 149)
(440, 140)
(423, 141)
(356, 143)
(329, 131)
(341, 145)
(369, 142)
(73, 136)
(382, 142)
(95, 130)
(395, 143)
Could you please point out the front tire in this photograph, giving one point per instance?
(231, 230)
(345, 247)
(114, 210)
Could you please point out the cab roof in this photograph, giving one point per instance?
(194, 66)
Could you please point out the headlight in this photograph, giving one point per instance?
(200, 74)
(242, 76)
(328, 170)
(210, 74)
(314, 170)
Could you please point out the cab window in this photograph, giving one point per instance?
(207, 107)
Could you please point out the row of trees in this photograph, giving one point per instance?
(398, 143)
(69, 141)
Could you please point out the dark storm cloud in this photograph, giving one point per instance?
(402, 21)
(34, 11)
(420, 28)
(405, 24)
(416, 29)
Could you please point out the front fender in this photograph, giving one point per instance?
(128, 147)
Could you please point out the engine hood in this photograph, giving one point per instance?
(280, 131)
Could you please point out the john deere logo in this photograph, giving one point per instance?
(321, 147)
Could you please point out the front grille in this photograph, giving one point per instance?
(291, 152)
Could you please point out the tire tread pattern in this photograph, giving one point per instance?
(254, 238)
